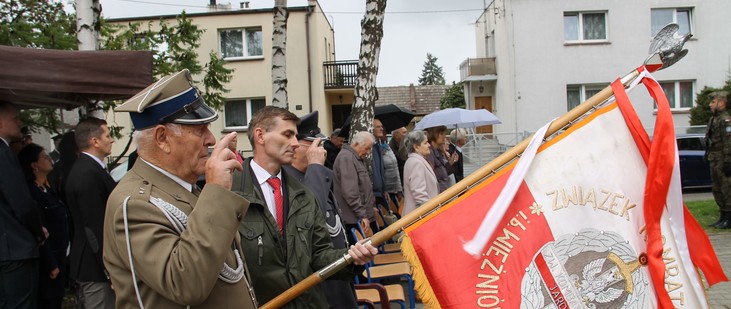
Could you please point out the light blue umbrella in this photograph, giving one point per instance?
(457, 118)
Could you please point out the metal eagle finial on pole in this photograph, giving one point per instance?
(665, 50)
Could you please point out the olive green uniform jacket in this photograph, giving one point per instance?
(718, 139)
(173, 270)
(277, 262)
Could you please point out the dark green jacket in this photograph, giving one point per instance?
(273, 266)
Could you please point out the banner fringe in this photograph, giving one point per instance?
(421, 283)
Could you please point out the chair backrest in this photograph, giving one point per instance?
(382, 294)
(357, 233)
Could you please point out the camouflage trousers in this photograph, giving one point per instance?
(721, 186)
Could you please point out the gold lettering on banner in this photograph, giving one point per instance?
(494, 258)
(672, 273)
(615, 203)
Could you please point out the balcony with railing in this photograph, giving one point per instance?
(340, 74)
(477, 67)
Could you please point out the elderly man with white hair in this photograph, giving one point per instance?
(352, 185)
(457, 140)
(167, 243)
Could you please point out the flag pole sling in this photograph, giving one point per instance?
(457, 189)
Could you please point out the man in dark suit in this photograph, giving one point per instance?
(457, 139)
(87, 189)
(308, 167)
(20, 222)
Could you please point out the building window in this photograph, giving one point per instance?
(679, 93)
(241, 43)
(585, 26)
(238, 112)
(577, 94)
(662, 17)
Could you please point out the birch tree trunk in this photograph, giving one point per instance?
(366, 93)
(279, 49)
(87, 34)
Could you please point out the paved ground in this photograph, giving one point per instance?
(719, 296)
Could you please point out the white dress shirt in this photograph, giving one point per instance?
(261, 176)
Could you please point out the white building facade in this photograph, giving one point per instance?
(537, 59)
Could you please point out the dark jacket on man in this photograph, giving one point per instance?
(332, 153)
(87, 190)
(458, 166)
(20, 220)
(319, 179)
(277, 262)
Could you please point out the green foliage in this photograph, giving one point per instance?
(216, 76)
(36, 24)
(432, 73)
(174, 48)
(701, 112)
(454, 97)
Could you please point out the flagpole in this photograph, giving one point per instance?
(666, 50)
(460, 187)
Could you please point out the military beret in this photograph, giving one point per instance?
(172, 99)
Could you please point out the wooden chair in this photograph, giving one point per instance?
(376, 293)
(377, 273)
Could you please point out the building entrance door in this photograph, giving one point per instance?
(484, 103)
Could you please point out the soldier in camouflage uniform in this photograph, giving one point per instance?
(718, 151)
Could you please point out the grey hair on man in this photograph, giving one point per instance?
(362, 137)
(414, 138)
(457, 135)
(145, 138)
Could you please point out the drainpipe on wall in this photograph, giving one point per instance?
(309, 65)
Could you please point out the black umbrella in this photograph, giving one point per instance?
(391, 115)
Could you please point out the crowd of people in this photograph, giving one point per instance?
(156, 239)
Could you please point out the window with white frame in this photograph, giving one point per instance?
(577, 94)
(662, 17)
(584, 26)
(240, 43)
(679, 93)
(238, 112)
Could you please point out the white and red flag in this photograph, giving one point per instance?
(593, 218)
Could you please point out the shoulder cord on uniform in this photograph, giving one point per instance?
(129, 253)
(179, 220)
(337, 228)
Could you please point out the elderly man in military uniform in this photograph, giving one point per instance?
(167, 244)
(309, 168)
(718, 152)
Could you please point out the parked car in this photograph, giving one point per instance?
(694, 170)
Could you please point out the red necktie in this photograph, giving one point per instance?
(278, 200)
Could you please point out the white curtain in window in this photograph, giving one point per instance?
(686, 94)
(669, 89)
(594, 26)
(253, 42)
(231, 44)
(235, 112)
(573, 97)
(256, 105)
